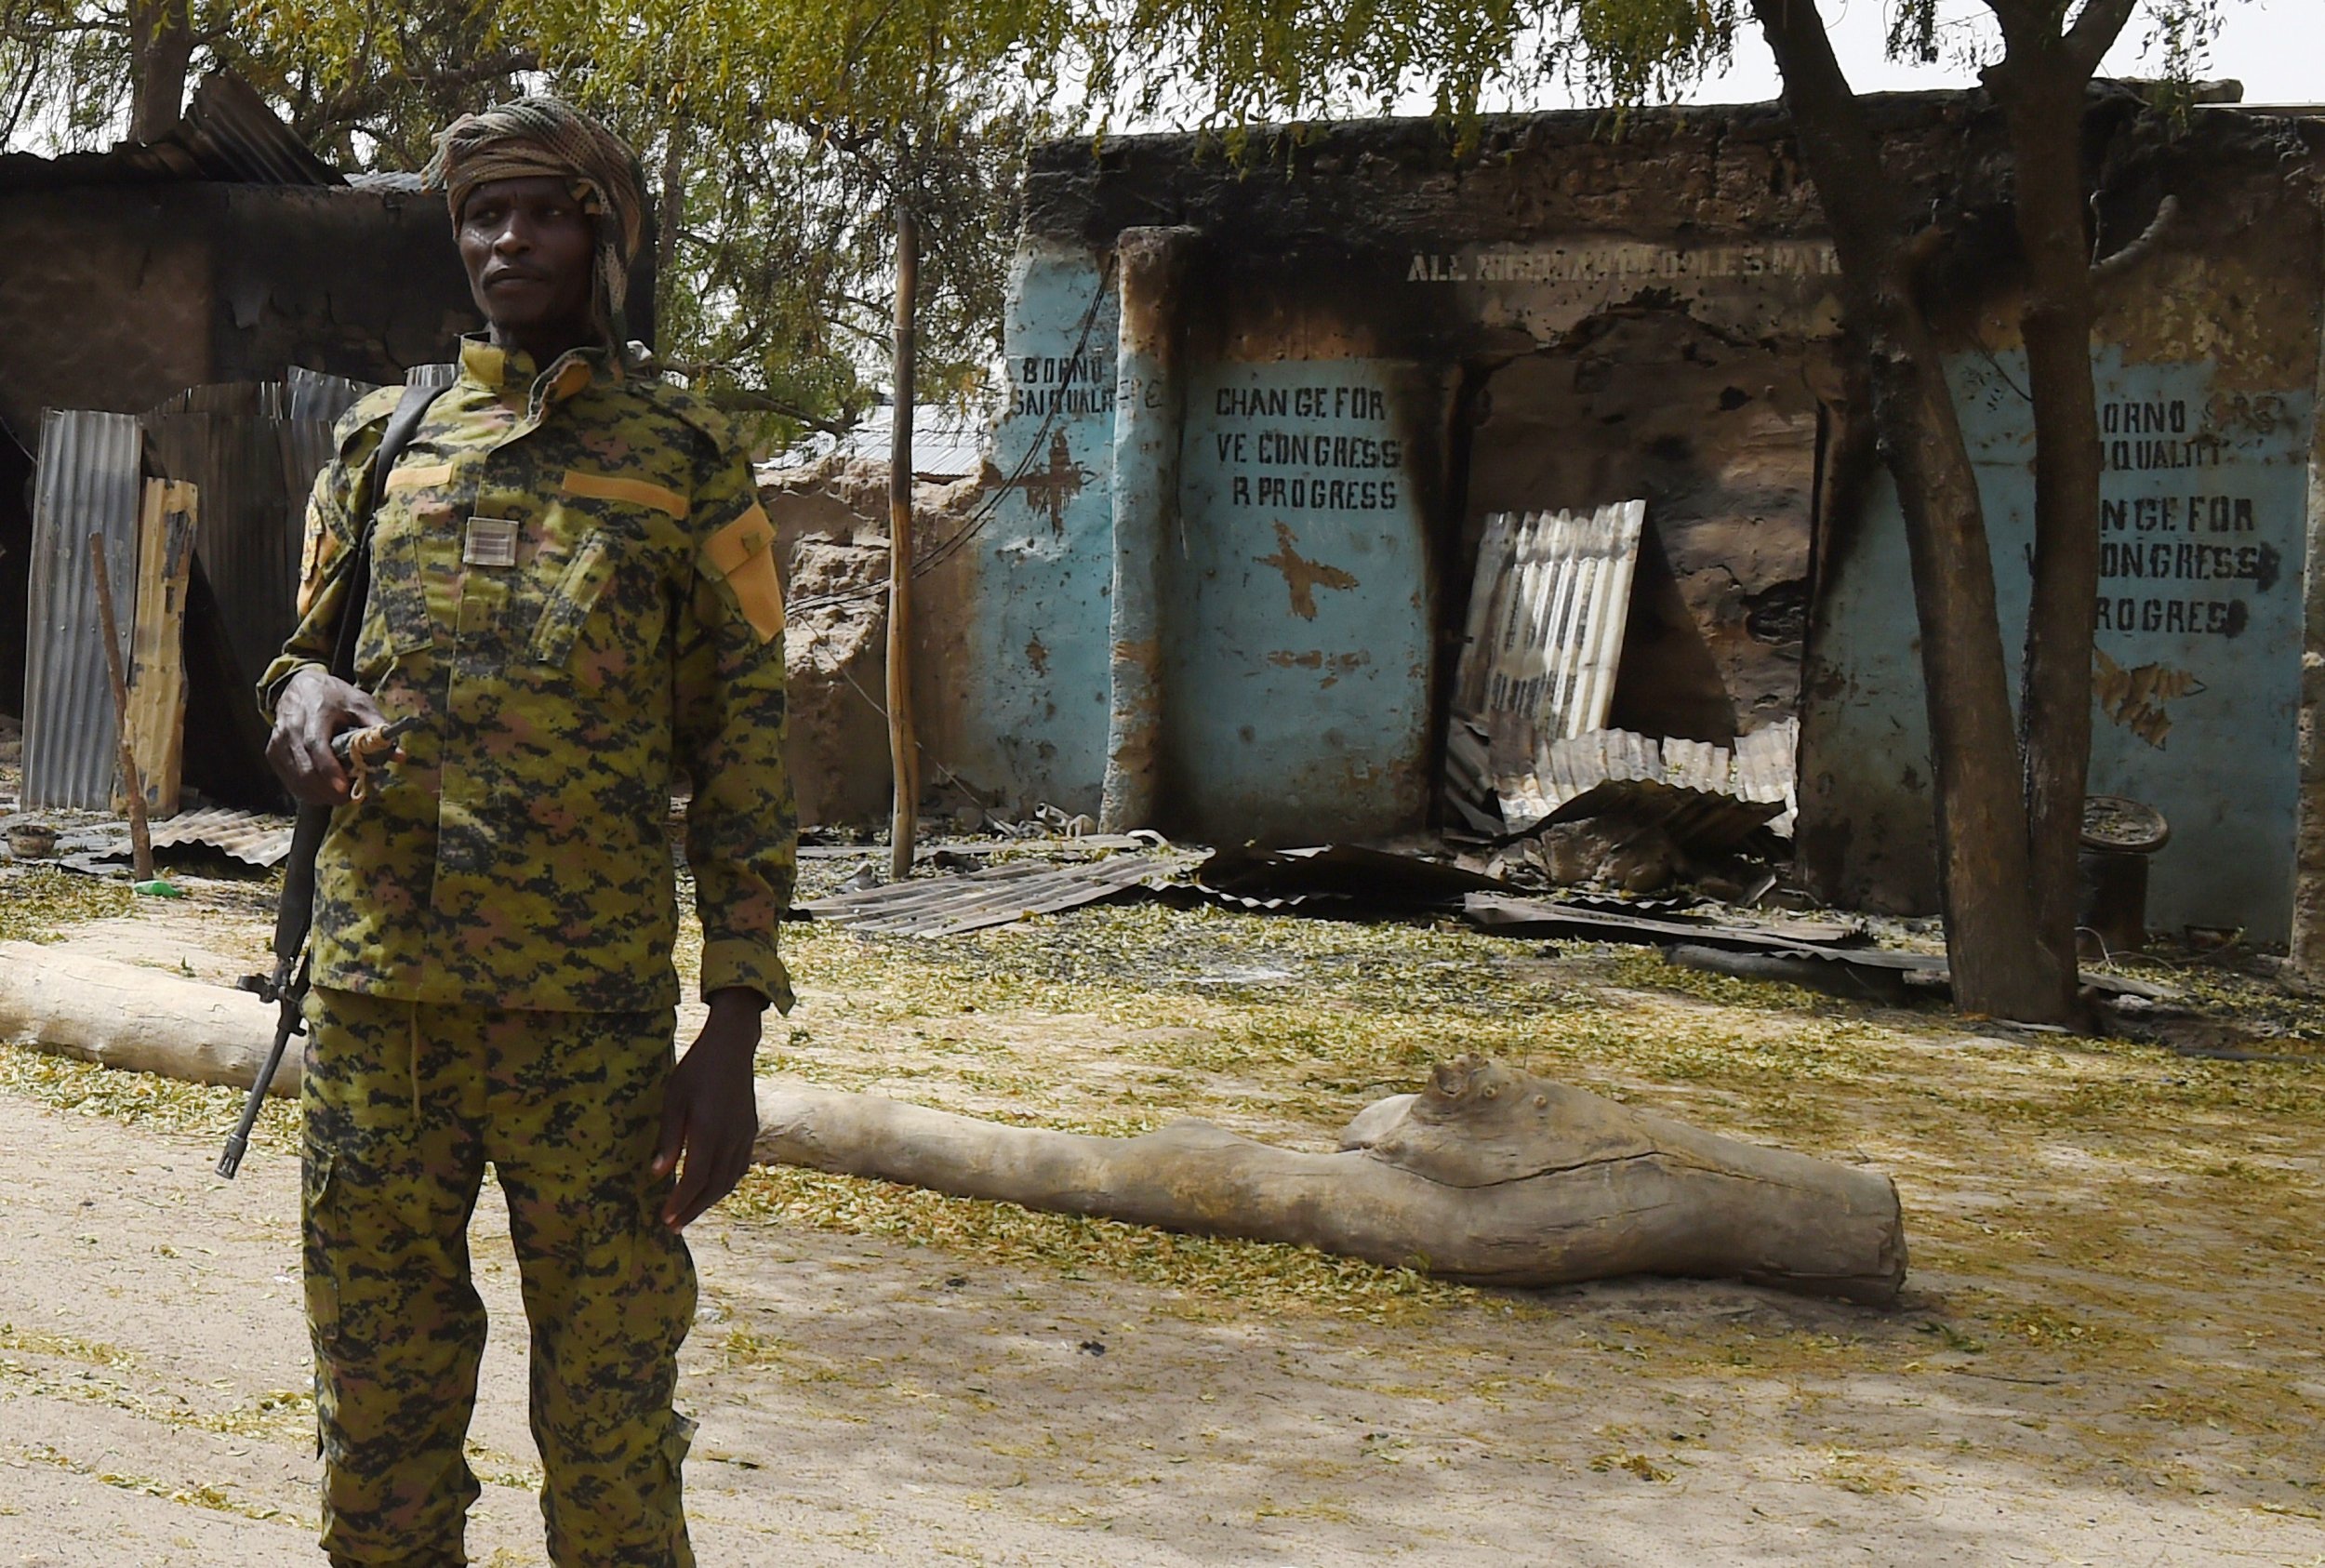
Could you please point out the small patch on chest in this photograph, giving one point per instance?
(490, 541)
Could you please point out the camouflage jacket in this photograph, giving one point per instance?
(573, 586)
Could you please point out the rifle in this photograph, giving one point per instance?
(294, 912)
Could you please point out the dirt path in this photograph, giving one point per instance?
(2107, 1353)
(860, 1399)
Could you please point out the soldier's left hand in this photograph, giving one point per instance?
(710, 1112)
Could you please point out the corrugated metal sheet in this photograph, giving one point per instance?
(267, 400)
(87, 483)
(947, 442)
(1760, 769)
(249, 836)
(312, 394)
(998, 895)
(1546, 613)
(227, 134)
(249, 468)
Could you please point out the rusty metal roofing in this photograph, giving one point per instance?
(998, 895)
(947, 442)
(1760, 769)
(249, 836)
(227, 134)
(89, 482)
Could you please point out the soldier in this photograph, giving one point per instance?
(574, 593)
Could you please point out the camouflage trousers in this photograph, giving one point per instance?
(405, 1104)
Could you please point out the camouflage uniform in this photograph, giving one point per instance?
(573, 587)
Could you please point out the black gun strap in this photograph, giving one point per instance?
(295, 911)
(402, 426)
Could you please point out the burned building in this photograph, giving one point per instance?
(1259, 412)
(226, 252)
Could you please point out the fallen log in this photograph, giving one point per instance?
(1489, 1175)
(143, 1020)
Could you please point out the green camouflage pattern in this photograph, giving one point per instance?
(405, 1103)
(517, 855)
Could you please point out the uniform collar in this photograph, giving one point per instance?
(500, 370)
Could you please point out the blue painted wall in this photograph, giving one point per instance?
(1297, 593)
(1299, 625)
(2203, 515)
(1040, 631)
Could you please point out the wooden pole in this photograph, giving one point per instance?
(904, 820)
(140, 842)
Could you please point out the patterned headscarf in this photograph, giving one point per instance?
(545, 136)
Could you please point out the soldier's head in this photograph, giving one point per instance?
(548, 209)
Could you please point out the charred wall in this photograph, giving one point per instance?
(115, 297)
(1567, 311)
(357, 283)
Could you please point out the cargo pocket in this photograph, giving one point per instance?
(322, 1238)
(579, 589)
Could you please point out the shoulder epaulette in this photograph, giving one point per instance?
(368, 413)
(689, 407)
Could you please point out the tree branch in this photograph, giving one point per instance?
(2131, 255)
(2095, 31)
(761, 404)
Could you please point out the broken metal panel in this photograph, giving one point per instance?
(314, 395)
(1348, 875)
(87, 483)
(230, 133)
(1579, 776)
(1699, 822)
(226, 134)
(1538, 667)
(251, 837)
(2202, 530)
(997, 895)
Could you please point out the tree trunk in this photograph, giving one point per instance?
(904, 761)
(138, 1019)
(672, 209)
(2041, 89)
(1984, 863)
(1489, 1175)
(161, 55)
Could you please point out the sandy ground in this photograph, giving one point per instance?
(864, 1400)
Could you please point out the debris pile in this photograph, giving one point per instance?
(1531, 765)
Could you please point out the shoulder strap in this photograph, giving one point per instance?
(402, 426)
(295, 910)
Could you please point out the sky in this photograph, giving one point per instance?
(2274, 48)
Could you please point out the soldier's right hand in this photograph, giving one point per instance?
(314, 705)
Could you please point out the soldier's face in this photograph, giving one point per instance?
(527, 246)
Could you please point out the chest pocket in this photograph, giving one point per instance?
(600, 609)
(573, 598)
(397, 622)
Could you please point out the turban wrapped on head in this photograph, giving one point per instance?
(536, 136)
